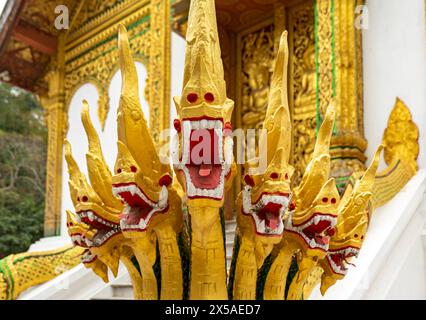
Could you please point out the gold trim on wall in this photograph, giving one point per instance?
(89, 55)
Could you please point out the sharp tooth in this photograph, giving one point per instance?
(90, 215)
(312, 243)
(142, 224)
(262, 226)
(316, 219)
(204, 124)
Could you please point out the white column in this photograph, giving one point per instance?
(394, 54)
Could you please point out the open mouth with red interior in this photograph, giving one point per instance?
(105, 229)
(316, 231)
(339, 259)
(267, 213)
(206, 157)
(138, 208)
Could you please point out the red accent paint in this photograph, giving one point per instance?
(85, 198)
(249, 180)
(192, 97)
(133, 169)
(176, 124)
(325, 199)
(333, 200)
(209, 97)
(286, 176)
(118, 170)
(165, 180)
(274, 175)
(331, 232)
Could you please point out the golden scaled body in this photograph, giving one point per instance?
(19, 272)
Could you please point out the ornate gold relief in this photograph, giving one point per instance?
(302, 86)
(256, 63)
(87, 54)
(401, 151)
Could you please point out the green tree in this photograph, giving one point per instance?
(22, 169)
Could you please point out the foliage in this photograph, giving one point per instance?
(22, 170)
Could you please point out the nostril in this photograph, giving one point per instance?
(133, 169)
(119, 170)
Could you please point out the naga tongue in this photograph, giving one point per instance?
(322, 240)
(272, 221)
(205, 170)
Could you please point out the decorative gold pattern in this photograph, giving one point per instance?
(302, 86)
(19, 272)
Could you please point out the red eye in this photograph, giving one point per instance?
(333, 200)
(176, 124)
(292, 206)
(192, 97)
(325, 199)
(85, 198)
(133, 168)
(209, 97)
(356, 235)
(119, 170)
(274, 175)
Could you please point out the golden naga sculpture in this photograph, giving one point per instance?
(264, 200)
(204, 159)
(19, 272)
(312, 216)
(169, 232)
(152, 212)
(95, 224)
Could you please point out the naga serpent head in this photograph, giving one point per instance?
(203, 150)
(95, 224)
(313, 216)
(267, 195)
(315, 225)
(140, 180)
(350, 231)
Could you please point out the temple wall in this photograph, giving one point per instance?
(77, 136)
(394, 54)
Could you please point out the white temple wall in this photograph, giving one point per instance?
(394, 54)
(77, 136)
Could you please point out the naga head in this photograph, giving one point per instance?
(266, 195)
(95, 224)
(315, 225)
(316, 199)
(140, 180)
(351, 229)
(203, 155)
